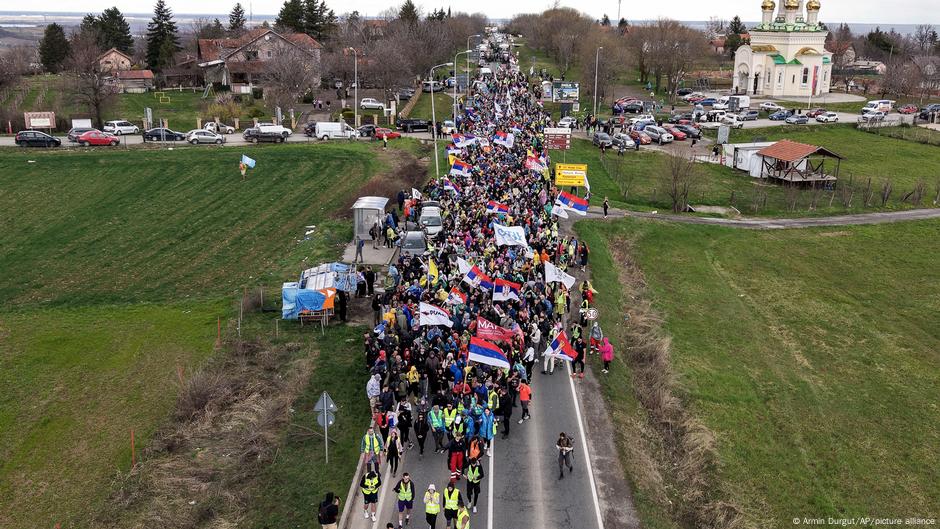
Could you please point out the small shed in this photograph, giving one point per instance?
(743, 156)
(798, 163)
(367, 211)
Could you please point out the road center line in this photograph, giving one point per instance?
(587, 455)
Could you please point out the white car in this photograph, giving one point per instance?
(567, 122)
(770, 106)
(198, 136)
(828, 117)
(658, 134)
(642, 117)
(448, 127)
(870, 117)
(367, 103)
(222, 128)
(119, 127)
(733, 121)
(271, 128)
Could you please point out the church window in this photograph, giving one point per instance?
(805, 76)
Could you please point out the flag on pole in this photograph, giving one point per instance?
(495, 207)
(432, 271)
(460, 168)
(553, 274)
(450, 186)
(510, 235)
(462, 265)
(433, 315)
(576, 204)
(504, 138)
(561, 348)
(415, 193)
(456, 297)
(487, 353)
(463, 140)
(248, 161)
(560, 210)
(478, 279)
(505, 290)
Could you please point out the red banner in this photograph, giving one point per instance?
(490, 331)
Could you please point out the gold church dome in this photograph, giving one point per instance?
(812, 5)
(791, 4)
(768, 5)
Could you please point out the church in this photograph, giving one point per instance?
(786, 56)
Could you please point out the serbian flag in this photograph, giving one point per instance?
(495, 207)
(490, 331)
(576, 204)
(453, 150)
(504, 138)
(561, 348)
(478, 279)
(456, 297)
(487, 353)
(463, 140)
(450, 186)
(504, 290)
(460, 168)
(534, 164)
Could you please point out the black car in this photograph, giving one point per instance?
(254, 135)
(633, 107)
(690, 131)
(367, 130)
(78, 131)
(925, 112)
(411, 125)
(676, 118)
(310, 129)
(34, 138)
(684, 91)
(162, 134)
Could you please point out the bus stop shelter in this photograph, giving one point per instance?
(367, 211)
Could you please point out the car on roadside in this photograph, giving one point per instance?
(686, 117)
(567, 122)
(677, 134)
(254, 135)
(690, 130)
(659, 134)
(276, 129)
(908, 109)
(75, 132)
(388, 133)
(770, 107)
(602, 139)
(412, 124)
(413, 244)
(707, 102)
(693, 97)
(872, 117)
(198, 136)
(799, 119)
(35, 138)
(367, 130)
(448, 127)
(622, 139)
(370, 103)
(780, 115)
(748, 115)
(815, 112)
(638, 136)
(119, 127)
(684, 91)
(163, 134)
(431, 86)
(219, 128)
(431, 221)
(642, 117)
(721, 103)
(828, 117)
(927, 110)
(406, 93)
(733, 121)
(96, 137)
(310, 129)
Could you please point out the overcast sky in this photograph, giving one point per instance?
(866, 11)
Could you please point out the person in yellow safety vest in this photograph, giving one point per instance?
(369, 485)
(432, 506)
(452, 500)
(474, 477)
(371, 448)
(492, 400)
(450, 414)
(463, 517)
(406, 498)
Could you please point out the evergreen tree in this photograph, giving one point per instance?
(114, 31)
(236, 20)
(448, 11)
(162, 39)
(605, 21)
(736, 26)
(291, 16)
(437, 14)
(319, 20)
(89, 25)
(408, 13)
(53, 48)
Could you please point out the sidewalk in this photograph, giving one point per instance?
(381, 256)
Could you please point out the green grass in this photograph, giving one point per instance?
(181, 111)
(443, 106)
(116, 265)
(811, 354)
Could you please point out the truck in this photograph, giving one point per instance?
(326, 130)
(739, 103)
(219, 128)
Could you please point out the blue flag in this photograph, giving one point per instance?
(248, 161)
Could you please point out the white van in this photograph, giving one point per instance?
(721, 103)
(333, 129)
(878, 105)
(431, 221)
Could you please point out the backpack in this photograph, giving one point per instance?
(321, 515)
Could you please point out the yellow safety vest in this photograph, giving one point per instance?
(450, 499)
(449, 417)
(405, 493)
(493, 400)
(473, 474)
(433, 506)
(371, 486)
(463, 519)
(371, 442)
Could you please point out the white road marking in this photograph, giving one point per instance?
(489, 492)
(535, 465)
(385, 487)
(587, 455)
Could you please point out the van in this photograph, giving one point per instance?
(878, 105)
(430, 220)
(721, 103)
(326, 130)
(738, 103)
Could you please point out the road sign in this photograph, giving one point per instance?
(724, 132)
(558, 138)
(325, 404)
(570, 174)
(148, 117)
(326, 419)
(591, 314)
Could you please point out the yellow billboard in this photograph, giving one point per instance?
(570, 174)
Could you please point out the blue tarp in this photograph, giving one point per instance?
(295, 300)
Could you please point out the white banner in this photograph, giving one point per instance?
(415, 193)
(463, 266)
(560, 210)
(553, 274)
(510, 235)
(433, 315)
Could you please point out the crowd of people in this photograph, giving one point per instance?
(431, 394)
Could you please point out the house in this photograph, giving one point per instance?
(184, 72)
(240, 63)
(797, 163)
(133, 81)
(114, 59)
(866, 67)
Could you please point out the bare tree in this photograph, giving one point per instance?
(680, 177)
(288, 75)
(84, 82)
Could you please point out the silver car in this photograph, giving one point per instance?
(412, 244)
(622, 139)
(658, 134)
(204, 136)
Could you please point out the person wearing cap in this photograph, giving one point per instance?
(371, 449)
(452, 502)
(432, 506)
(405, 490)
(369, 485)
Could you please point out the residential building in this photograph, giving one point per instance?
(133, 81)
(114, 59)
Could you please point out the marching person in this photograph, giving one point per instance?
(421, 431)
(564, 447)
(452, 502)
(369, 485)
(432, 506)
(474, 477)
(607, 355)
(596, 336)
(393, 450)
(405, 490)
(371, 449)
(525, 395)
(463, 517)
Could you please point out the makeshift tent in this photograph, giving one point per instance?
(330, 275)
(315, 293)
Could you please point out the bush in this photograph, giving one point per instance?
(255, 111)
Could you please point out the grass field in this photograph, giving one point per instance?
(443, 106)
(811, 355)
(116, 266)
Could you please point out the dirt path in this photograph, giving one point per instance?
(772, 224)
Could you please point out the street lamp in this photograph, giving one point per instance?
(355, 86)
(596, 62)
(467, 51)
(437, 164)
(468, 61)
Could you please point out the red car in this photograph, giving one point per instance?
(677, 134)
(94, 137)
(816, 112)
(641, 137)
(695, 99)
(388, 133)
(908, 109)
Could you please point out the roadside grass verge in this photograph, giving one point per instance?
(443, 106)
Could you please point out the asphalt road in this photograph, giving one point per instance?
(230, 139)
(770, 224)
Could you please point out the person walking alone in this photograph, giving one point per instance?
(606, 206)
(405, 490)
(525, 395)
(432, 506)
(565, 448)
(607, 354)
(329, 511)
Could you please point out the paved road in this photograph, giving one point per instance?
(230, 139)
(769, 224)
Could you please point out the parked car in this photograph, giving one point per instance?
(448, 127)
(692, 97)
(254, 135)
(749, 115)
(411, 125)
(642, 117)
(96, 137)
(780, 115)
(431, 86)
(406, 93)
(908, 109)
(119, 127)
(684, 91)
(622, 139)
(872, 117)
(388, 133)
(828, 117)
(927, 110)
(685, 117)
(35, 138)
(276, 129)
(198, 136)
(602, 139)
(815, 112)
(707, 102)
(676, 133)
(162, 134)
(413, 244)
(770, 107)
(658, 134)
(799, 119)
(75, 132)
(638, 136)
(327, 130)
(567, 122)
(220, 128)
(733, 121)
(721, 103)
(634, 107)
(310, 128)
(367, 130)
(690, 130)
(370, 103)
